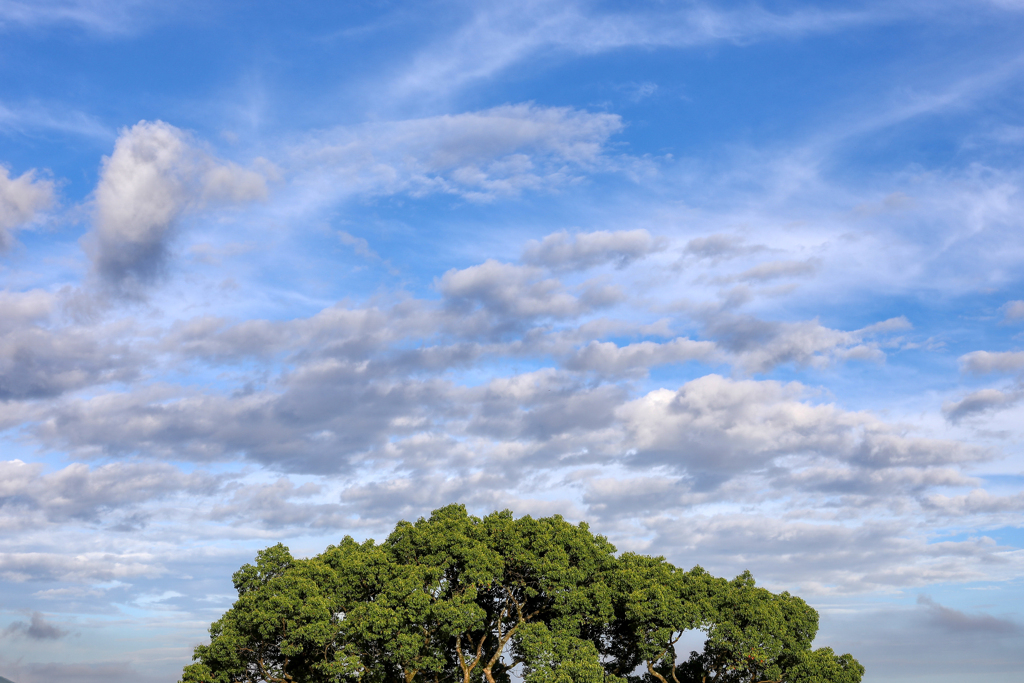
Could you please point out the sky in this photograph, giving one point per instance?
(737, 283)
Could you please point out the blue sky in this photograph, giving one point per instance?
(738, 283)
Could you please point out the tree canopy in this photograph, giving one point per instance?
(459, 598)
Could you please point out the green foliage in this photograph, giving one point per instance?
(825, 666)
(458, 598)
(553, 657)
(753, 635)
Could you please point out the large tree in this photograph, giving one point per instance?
(459, 598)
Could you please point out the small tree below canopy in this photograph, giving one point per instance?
(459, 598)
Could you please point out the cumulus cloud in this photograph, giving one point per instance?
(560, 251)
(611, 359)
(1013, 311)
(319, 417)
(515, 292)
(761, 345)
(155, 174)
(540, 407)
(511, 383)
(869, 484)
(823, 558)
(720, 247)
(361, 382)
(978, 501)
(714, 428)
(774, 270)
(78, 492)
(984, 362)
(272, 506)
(84, 567)
(40, 363)
(40, 359)
(479, 156)
(361, 405)
(982, 401)
(22, 199)
(18, 309)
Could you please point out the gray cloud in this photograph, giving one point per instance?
(866, 481)
(720, 247)
(714, 428)
(984, 362)
(820, 558)
(542, 406)
(774, 270)
(40, 358)
(351, 386)
(978, 402)
(78, 492)
(38, 629)
(272, 506)
(760, 345)
(328, 411)
(22, 199)
(637, 358)
(39, 363)
(90, 566)
(155, 174)
(560, 251)
(978, 501)
(369, 401)
(965, 624)
(1013, 311)
(516, 293)
(508, 388)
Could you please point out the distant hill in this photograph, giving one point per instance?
(5, 680)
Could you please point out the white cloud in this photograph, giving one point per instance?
(760, 346)
(33, 117)
(720, 247)
(1013, 311)
(773, 270)
(509, 291)
(39, 358)
(480, 156)
(22, 200)
(819, 558)
(156, 174)
(982, 401)
(103, 16)
(560, 251)
(84, 567)
(984, 362)
(83, 493)
(714, 429)
(20, 308)
(978, 501)
(271, 506)
(639, 357)
(499, 35)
